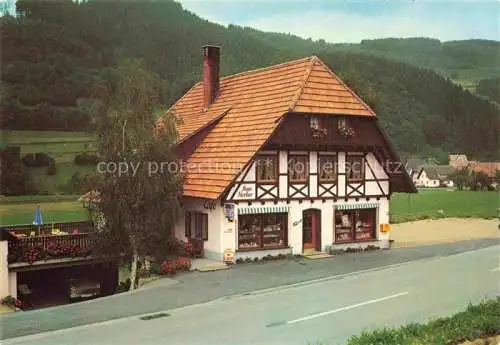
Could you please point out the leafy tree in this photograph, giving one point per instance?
(480, 181)
(140, 206)
(461, 178)
(490, 88)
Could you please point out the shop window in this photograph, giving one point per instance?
(196, 225)
(355, 225)
(327, 168)
(355, 168)
(298, 168)
(261, 231)
(266, 169)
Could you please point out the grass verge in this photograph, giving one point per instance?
(477, 321)
(441, 203)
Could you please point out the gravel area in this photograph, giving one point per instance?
(446, 230)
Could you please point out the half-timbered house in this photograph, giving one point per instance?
(282, 159)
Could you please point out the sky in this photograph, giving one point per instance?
(351, 21)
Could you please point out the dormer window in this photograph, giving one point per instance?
(344, 128)
(315, 123)
(342, 123)
(317, 127)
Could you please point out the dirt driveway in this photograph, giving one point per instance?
(446, 230)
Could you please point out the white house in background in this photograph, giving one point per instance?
(413, 166)
(433, 176)
(283, 159)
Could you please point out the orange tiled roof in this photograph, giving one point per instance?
(489, 168)
(250, 105)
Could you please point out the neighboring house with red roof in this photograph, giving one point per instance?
(461, 161)
(458, 161)
(489, 168)
(282, 159)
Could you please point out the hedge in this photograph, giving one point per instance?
(475, 322)
(39, 159)
(86, 159)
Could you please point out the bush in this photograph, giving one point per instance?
(35, 160)
(11, 302)
(475, 322)
(155, 268)
(76, 184)
(86, 159)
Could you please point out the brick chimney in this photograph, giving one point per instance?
(211, 58)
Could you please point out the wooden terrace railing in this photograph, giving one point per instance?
(30, 243)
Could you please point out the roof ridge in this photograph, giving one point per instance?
(300, 90)
(261, 69)
(347, 87)
(213, 120)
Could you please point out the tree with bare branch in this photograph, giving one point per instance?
(139, 201)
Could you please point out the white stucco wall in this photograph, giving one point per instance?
(13, 284)
(4, 270)
(213, 246)
(8, 279)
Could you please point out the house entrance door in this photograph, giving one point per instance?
(311, 229)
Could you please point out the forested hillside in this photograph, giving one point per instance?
(466, 62)
(53, 54)
(490, 88)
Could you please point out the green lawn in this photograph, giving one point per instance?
(61, 211)
(37, 198)
(427, 203)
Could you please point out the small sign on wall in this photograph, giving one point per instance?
(246, 192)
(229, 212)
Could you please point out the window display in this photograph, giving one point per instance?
(261, 231)
(354, 225)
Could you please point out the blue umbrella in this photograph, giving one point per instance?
(37, 220)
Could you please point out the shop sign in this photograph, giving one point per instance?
(246, 192)
(210, 204)
(385, 227)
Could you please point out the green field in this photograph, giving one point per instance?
(62, 146)
(437, 203)
(60, 211)
(403, 207)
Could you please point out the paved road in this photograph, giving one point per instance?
(329, 310)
